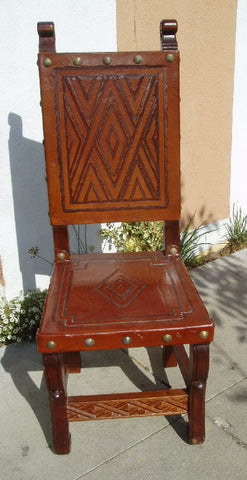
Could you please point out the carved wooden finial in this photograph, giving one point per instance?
(46, 31)
(168, 30)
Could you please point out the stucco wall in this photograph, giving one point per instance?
(239, 129)
(88, 25)
(206, 39)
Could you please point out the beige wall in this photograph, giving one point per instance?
(206, 39)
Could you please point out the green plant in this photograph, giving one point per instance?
(236, 230)
(34, 252)
(135, 237)
(82, 245)
(148, 236)
(189, 243)
(20, 317)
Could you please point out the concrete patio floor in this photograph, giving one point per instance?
(143, 448)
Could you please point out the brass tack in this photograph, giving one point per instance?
(89, 342)
(167, 338)
(107, 60)
(77, 61)
(173, 251)
(138, 59)
(127, 340)
(47, 62)
(61, 256)
(203, 334)
(56, 394)
(51, 344)
(170, 57)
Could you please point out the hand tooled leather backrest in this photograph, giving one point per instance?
(111, 129)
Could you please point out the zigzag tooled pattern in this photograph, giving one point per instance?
(112, 138)
(175, 405)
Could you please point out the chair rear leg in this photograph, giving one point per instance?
(169, 358)
(56, 379)
(199, 365)
(74, 362)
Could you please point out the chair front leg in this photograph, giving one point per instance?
(199, 366)
(56, 379)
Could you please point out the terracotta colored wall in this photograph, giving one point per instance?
(206, 38)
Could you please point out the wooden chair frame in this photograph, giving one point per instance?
(150, 190)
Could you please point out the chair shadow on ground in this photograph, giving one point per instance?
(24, 364)
(222, 287)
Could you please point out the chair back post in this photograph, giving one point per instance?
(168, 30)
(172, 237)
(47, 43)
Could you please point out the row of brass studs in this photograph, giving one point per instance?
(168, 338)
(173, 251)
(90, 342)
(77, 61)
